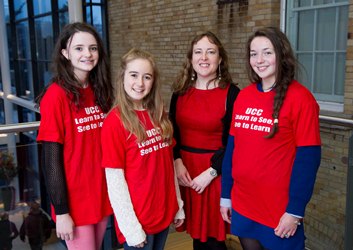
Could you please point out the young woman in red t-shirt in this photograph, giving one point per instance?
(72, 111)
(137, 154)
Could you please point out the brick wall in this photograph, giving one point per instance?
(165, 28)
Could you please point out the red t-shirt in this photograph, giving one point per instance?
(148, 168)
(79, 132)
(262, 167)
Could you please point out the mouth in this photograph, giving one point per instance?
(204, 65)
(87, 61)
(139, 91)
(261, 68)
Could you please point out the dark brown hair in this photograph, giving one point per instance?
(63, 73)
(183, 81)
(285, 68)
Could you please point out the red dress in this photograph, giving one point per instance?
(198, 116)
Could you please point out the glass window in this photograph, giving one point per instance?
(23, 40)
(7, 11)
(44, 37)
(319, 39)
(305, 28)
(62, 4)
(20, 9)
(41, 7)
(326, 21)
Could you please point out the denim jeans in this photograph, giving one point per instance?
(154, 241)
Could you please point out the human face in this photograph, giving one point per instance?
(263, 60)
(138, 81)
(205, 59)
(82, 52)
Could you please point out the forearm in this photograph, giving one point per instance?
(227, 180)
(180, 214)
(306, 164)
(54, 175)
(123, 208)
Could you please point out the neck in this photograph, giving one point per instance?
(267, 88)
(206, 84)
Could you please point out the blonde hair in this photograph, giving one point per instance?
(153, 102)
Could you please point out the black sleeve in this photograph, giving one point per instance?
(176, 132)
(217, 158)
(54, 175)
(227, 119)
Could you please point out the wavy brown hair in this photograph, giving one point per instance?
(63, 72)
(153, 102)
(285, 68)
(183, 81)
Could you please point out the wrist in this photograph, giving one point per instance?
(212, 172)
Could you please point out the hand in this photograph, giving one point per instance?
(226, 213)
(141, 245)
(65, 227)
(182, 174)
(201, 181)
(178, 222)
(287, 226)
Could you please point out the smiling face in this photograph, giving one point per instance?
(82, 52)
(205, 59)
(263, 60)
(138, 81)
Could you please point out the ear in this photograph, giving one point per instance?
(65, 53)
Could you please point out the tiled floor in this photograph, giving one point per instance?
(175, 240)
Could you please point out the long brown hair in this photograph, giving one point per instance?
(285, 68)
(153, 102)
(184, 82)
(63, 72)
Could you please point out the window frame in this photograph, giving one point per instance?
(328, 102)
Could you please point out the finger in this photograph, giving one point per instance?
(201, 190)
(188, 178)
(71, 236)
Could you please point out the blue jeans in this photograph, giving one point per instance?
(154, 241)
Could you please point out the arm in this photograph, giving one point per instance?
(227, 181)
(54, 176)
(176, 132)
(306, 164)
(217, 158)
(180, 215)
(120, 200)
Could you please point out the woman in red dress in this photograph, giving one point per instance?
(201, 120)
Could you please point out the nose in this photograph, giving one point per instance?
(139, 81)
(204, 56)
(88, 52)
(259, 58)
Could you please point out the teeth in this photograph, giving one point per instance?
(204, 64)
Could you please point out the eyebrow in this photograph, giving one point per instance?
(138, 72)
(77, 45)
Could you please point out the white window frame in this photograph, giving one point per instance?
(291, 31)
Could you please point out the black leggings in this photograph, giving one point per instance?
(210, 244)
(250, 244)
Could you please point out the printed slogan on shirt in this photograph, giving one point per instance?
(93, 119)
(153, 143)
(253, 119)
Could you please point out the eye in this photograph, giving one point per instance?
(252, 54)
(197, 52)
(148, 77)
(95, 48)
(267, 53)
(133, 75)
(78, 48)
(212, 52)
